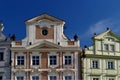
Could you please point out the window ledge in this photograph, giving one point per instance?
(110, 69)
(35, 66)
(108, 51)
(67, 65)
(20, 66)
(53, 66)
(94, 68)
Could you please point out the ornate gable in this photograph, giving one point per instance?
(43, 17)
(107, 34)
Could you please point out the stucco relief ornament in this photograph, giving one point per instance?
(44, 23)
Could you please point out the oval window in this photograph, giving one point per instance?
(44, 32)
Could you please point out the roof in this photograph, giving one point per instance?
(106, 33)
(44, 16)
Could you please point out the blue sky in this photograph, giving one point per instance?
(82, 17)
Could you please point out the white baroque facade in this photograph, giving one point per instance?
(4, 56)
(45, 53)
(101, 61)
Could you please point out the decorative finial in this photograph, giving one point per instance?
(13, 37)
(108, 28)
(95, 34)
(75, 37)
(1, 26)
(85, 46)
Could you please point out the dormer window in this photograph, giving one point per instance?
(109, 47)
(106, 47)
(112, 47)
(44, 31)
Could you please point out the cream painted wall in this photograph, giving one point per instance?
(97, 52)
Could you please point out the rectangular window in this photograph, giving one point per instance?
(111, 79)
(53, 78)
(20, 78)
(1, 78)
(95, 64)
(20, 60)
(35, 60)
(95, 78)
(35, 77)
(110, 65)
(68, 59)
(1, 56)
(53, 59)
(68, 77)
(106, 47)
(112, 48)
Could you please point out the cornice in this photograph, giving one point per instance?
(101, 56)
(47, 49)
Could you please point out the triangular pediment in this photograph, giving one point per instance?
(107, 33)
(43, 17)
(43, 45)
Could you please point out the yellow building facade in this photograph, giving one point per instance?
(101, 61)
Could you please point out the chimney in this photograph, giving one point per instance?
(95, 34)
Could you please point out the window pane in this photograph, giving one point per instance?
(68, 60)
(106, 47)
(20, 60)
(53, 60)
(18, 57)
(35, 77)
(1, 56)
(94, 64)
(20, 78)
(68, 77)
(1, 78)
(53, 78)
(111, 79)
(112, 48)
(35, 60)
(95, 78)
(110, 65)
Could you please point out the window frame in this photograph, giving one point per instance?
(1, 77)
(111, 79)
(21, 54)
(52, 76)
(35, 54)
(68, 54)
(3, 50)
(68, 76)
(52, 54)
(95, 78)
(112, 47)
(2, 58)
(68, 73)
(93, 64)
(110, 66)
(19, 76)
(44, 31)
(35, 76)
(106, 47)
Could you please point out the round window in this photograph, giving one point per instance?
(45, 32)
